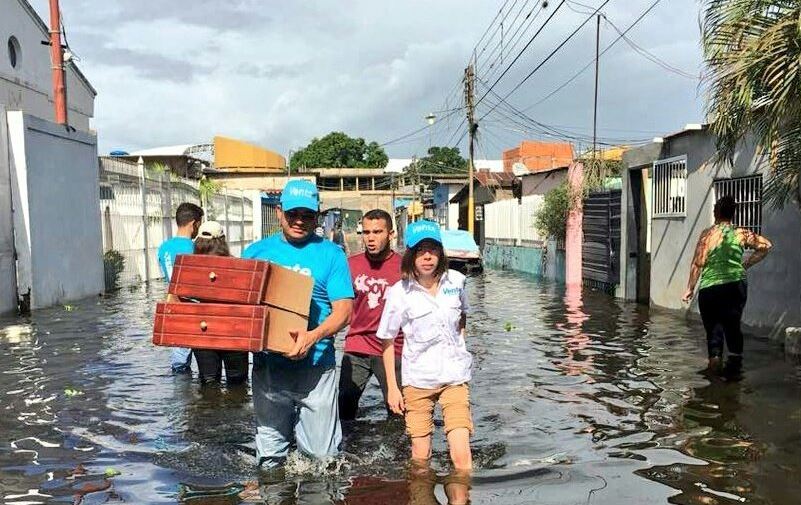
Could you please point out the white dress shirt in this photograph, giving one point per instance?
(434, 351)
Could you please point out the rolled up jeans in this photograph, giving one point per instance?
(294, 404)
(181, 359)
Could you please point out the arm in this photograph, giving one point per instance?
(339, 289)
(339, 318)
(759, 244)
(393, 317)
(699, 259)
(394, 396)
(463, 325)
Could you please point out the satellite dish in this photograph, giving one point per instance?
(519, 169)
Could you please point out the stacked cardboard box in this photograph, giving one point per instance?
(242, 305)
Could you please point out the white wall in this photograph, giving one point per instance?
(8, 276)
(27, 86)
(774, 286)
(56, 220)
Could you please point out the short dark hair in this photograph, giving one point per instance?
(379, 214)
(212, 246)
(188, 212)
(408, 271)
(725, 208)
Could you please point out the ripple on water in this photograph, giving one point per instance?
(576, 399)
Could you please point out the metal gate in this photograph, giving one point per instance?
(601, 246)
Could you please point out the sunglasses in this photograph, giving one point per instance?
(304, 215)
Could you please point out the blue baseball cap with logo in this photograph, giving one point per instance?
(300, 193)
(422, 230)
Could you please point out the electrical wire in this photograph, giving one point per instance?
(591, 62)
(555, 50)
(531, 40)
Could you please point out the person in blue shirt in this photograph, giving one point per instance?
(295, 395)
(188, 217)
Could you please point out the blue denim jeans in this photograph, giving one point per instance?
(181, 359)
(294, 405)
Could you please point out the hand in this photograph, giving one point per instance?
(688, 296)
(304, 340)
(395, 400)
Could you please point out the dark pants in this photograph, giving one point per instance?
(356, 372)
(721, 309)
(210, 364)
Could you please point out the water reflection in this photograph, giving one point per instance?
(577, 398)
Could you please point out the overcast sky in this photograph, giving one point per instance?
(280, 73)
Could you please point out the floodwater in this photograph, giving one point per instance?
(576, 401)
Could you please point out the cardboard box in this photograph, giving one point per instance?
(288, 296)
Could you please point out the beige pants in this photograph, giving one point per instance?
(455, 403)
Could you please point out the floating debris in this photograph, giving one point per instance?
(70, 392)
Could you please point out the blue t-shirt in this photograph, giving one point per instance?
(169, 250)
(327, 265)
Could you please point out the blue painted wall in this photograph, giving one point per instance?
(527, 260)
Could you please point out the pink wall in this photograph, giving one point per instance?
(574, 232)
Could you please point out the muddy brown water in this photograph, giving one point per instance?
(576, 399)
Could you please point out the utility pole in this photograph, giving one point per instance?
(57, 64)
(469, 91)
(595, 106)
(414, 188)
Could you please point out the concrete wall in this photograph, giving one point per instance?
(541, 183)
(527, 260)
(56, 220)
(27, 86)
(634, 160)
(8, 274)
(774, 285)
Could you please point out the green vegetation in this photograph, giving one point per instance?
(551, 218)
(338, 150)
(113, 266)
(443, 160)
(753, 55)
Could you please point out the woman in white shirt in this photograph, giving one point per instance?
(430, 306)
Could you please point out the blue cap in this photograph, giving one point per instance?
(300, 193)
(422, 230)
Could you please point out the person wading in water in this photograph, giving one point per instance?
(722, 294)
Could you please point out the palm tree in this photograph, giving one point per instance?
(753, 54)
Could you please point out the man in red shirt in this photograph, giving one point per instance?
(373, 272)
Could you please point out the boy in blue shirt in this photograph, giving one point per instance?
(188, 217)
(295, 395)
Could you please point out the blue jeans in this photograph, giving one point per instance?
(294, 404)
(181, 359)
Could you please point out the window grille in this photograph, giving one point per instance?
(669, 187)
(747, 192)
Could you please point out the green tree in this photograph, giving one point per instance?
(338, 150)
(551, 217)
(443, 160)
(753, 55)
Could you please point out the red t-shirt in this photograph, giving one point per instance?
(371, 280)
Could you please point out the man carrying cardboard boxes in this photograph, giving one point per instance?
(295, 394)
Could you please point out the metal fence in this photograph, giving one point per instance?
(137, 209)
(509, 222)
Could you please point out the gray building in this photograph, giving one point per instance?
(669, 190)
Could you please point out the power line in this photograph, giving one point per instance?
(517, 38)
(531, 40)
(547, 58)
(500, 44)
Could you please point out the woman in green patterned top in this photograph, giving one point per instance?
(722, 293)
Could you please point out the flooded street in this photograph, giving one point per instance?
(576, 400)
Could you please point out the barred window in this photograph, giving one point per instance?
(747, 192)
(669, 187)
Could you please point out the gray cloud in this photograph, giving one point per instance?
(281, 73)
